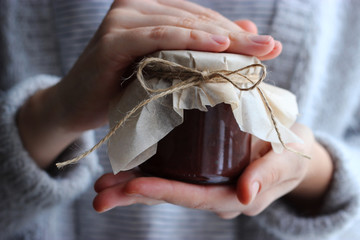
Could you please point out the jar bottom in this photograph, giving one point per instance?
(189, 178)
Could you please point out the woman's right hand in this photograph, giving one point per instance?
(55, 117)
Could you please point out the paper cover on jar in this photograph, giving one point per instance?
(136, 140)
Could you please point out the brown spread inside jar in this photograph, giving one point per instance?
(207, 148)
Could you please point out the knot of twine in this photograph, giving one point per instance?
(189, 77)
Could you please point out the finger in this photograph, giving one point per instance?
(250, 26)
(123, 18)
(247, 25)
(142, 41)
(267, 172)
(203, 14)
(109, 179)
(131, 19)
(260, 46)
(115, 196)
(274, 53)
(265, 198)
(153, 8)
(241, 42)
(181, 9)
(177, 38)
(213, 198)
(250, 44)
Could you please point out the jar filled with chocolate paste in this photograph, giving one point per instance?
(207, 148)
(168, 140)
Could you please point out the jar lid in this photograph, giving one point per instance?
(209, 61)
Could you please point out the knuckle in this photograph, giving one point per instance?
(187, 22)
(193, 35)
(201, 200)
(157, 33)
(203, 18)
(274, 176)
(235, 36)
(201, 205)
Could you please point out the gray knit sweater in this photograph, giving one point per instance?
(38, 45)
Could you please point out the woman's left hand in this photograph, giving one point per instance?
(268, 177)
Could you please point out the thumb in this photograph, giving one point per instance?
(262, 174)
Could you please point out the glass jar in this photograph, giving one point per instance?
(207, 148)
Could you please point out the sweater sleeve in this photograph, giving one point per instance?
(341, 203)
(26, 190)
(329, 56)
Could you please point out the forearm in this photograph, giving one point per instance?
(42, 127)
(28, 191)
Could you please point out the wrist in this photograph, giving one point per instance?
(42, 127)
(316, 182)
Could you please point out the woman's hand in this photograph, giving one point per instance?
(134, 28)
(55, 117)
(267, 178)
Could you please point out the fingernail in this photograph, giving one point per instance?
(260, 39)
(219, 39)
(277, 44)
(254, 190)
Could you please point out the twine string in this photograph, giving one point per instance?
(189, 77)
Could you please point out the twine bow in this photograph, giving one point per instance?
(189, 77)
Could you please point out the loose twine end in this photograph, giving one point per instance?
(190, 77)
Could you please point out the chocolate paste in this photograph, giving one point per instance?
(207, 148)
